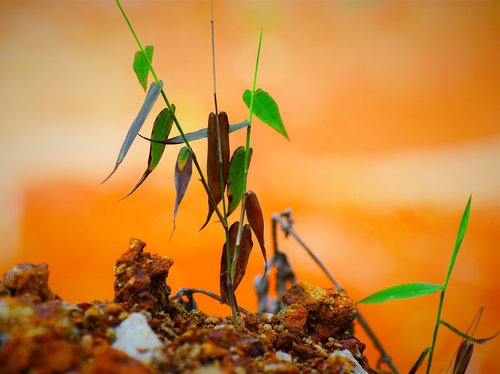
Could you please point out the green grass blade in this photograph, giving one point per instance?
(149, 101)
(460, 236)
(403, 291)
(266, 109)
(141, 65)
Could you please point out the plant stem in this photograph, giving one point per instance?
(247, 147)
(174, 116)
(461, 232)
(230, 288)
(286, 223)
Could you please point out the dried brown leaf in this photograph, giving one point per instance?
(213, 171)
(256, 219)
(246, 245)
(463, 357)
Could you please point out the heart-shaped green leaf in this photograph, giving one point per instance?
(266, 109)
(141, 65)
(149, 101)
(403, 291)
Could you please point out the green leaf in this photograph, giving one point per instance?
(266, 109)
(468, 337)
(149, 101)
(160, 132)
(182, 176)
(403, 291)
(236, 184)
(141, 65)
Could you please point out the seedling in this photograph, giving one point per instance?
(225, 180)
(405, 291)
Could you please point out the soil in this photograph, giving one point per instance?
(143, 331)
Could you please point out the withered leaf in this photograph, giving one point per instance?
(256, 220)
(420, 361)
(246, 245)
(213, 167)
(182, 176)
(161, 130)
(236, 183)
(149, 101)
(463, 357)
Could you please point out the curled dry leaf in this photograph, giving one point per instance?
(236, 183)
(256, 220)
(213, 169)
(420, 361)
(246, 245)
(182, 176)
(463, 357)
(161, 130)
(149, 101)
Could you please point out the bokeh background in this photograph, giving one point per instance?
(393, 111)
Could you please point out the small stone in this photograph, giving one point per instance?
(283, 356)
(135, 338)
(346, 361)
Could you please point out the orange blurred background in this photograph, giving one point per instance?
(393, 111)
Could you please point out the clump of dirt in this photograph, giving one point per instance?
(143, 331)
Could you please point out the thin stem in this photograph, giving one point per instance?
(230, 288)
(286, 224)
(191, 291)
(247, 145)
(174, 116)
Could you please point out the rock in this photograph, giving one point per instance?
(135, 338)
(28, 281)
(317, 312)
(140, 278)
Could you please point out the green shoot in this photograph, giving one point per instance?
(460, 236)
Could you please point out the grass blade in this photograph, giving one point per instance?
(236, 183)
(266, 109)
(464, 222)
(182, 176)
(403, 291)
(161, 130)
(256, 220)
(149, 101)
(141, 65)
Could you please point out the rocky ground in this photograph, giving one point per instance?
(143, 331)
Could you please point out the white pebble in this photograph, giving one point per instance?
(136, 339)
